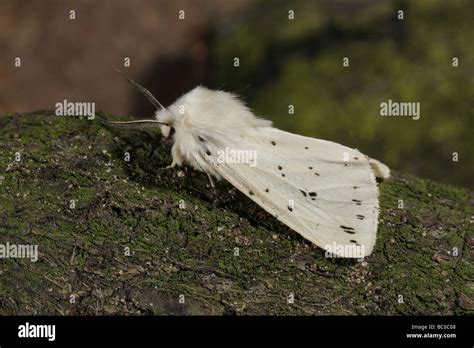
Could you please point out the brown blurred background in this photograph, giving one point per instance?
(75, 59)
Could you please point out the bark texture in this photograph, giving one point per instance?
(131, 237)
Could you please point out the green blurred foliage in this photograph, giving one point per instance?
(299, 62)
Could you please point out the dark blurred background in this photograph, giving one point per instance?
(282, 62)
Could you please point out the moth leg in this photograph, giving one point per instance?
(172, 165)
(177, 160)
(211, 181)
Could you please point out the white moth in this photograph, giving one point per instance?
(325, 191)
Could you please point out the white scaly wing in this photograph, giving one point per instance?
(323, 190)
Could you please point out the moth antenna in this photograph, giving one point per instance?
(136, 122)
(244, 88)
(143, 91)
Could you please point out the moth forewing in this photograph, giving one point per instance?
(333, 203)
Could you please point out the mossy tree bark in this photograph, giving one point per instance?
(131, 237)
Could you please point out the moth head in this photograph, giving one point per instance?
(168, 121)
(166, 131)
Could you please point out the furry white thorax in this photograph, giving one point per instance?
(203, 114)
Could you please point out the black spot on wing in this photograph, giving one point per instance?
(313, 194)
(310, 167)
(306, 148)
(273, 143)
(280, 167)
(266, 190)
(304, 193)
(290, 208)
(357, 202)
(348, 229)
(360, 217)
(201, 139)
(251, 193)
(208, 152)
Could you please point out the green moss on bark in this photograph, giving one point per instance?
(423, 253)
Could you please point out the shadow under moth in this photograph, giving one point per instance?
(324, 191)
